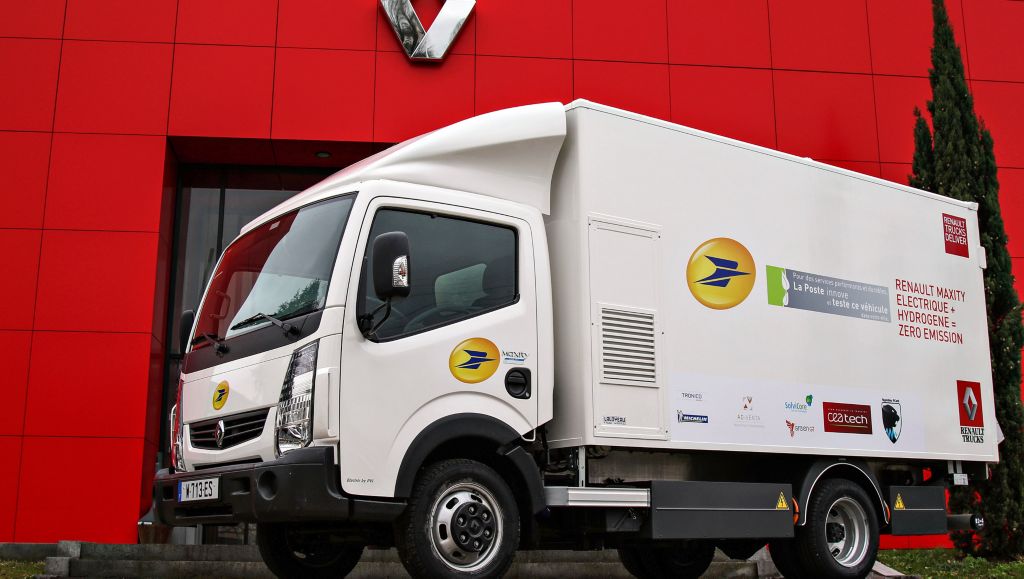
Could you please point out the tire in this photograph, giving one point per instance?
(783, 553)
(291, 554)
(688, 560)
(472, 500)
(741, 549)
(840, 538)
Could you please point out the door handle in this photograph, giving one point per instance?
(517, 383)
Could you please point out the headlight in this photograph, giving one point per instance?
(295, 409)
(177, 428)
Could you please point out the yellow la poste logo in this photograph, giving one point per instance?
(474, 360)
(720, 273)
(220, 395)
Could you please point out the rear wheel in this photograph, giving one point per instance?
(290, 552)
(840, 538)
(678, 561)
(462, 521)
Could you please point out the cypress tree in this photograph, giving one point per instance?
(956, 159)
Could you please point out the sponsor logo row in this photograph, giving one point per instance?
(847, 418)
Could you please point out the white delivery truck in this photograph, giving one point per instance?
(578, 327)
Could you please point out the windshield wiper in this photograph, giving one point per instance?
(285, 326)
(218, 343)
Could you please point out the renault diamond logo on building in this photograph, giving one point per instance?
(474, 360)
(720, 273)
(220, 395)
(427, 44)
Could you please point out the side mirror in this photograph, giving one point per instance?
(188, 317)
(390, 265)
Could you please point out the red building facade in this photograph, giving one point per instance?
(104, 100)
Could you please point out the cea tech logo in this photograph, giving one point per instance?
(720, 273)
(474, 360)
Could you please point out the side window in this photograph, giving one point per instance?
(458, 268)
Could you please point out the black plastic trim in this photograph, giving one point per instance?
(468, 425)
(254, 342)
(303, 485)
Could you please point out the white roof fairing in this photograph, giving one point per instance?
(509, 154)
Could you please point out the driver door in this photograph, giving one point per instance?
(448, 347)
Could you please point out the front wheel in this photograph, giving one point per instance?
(462, 521)
(289, 552)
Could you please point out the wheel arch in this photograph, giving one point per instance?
(855, 471)
(475, 436)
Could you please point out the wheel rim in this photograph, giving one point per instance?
(465, 526)
(847, 532)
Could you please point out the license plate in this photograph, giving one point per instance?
(198, 490)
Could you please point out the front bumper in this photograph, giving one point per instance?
(303, 485)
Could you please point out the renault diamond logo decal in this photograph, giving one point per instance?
(433, 44)
(218, 434)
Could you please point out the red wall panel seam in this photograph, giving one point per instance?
(771, 63)
(170, 88)
(39, 263)
(668, 56)
(874, 91)
(273, 78)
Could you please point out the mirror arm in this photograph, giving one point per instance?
(372, 334)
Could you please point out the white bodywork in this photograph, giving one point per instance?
(627, 199)
(634, 197)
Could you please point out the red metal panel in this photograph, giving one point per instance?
(222, 91)
(1011, 201)
(49, 510)
(328, 24)
(642, 88)
(10, 457)
(149, 21)
(14, 352)
(97, 281)
(734, 102)
(19, 257)
(245, 22)
(503, 82)
(31, 66)
(896, 172)
(114, 87)
(36, 19)
(826, 116)
(821, 36)
(722, 32)
(895, 99)
(65, 395)
(610, 30)
(412, 100)
(106, 182)
(901, 35)
(998, 104)
(525, 28)
(23, 161)
(994, 28)
(427, 10)
(306, 107)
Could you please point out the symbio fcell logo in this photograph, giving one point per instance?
(720, 273)
(474, 360)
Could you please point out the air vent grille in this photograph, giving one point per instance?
(628, 341)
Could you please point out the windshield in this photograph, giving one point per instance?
(280, 269)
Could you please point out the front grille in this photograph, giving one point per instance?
(236, 429)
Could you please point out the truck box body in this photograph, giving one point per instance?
(863, 333)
